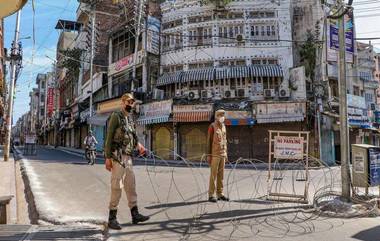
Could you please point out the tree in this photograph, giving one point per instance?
(308, 55)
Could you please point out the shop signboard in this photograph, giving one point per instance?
(30, 139)
(280, 112)
(156, 109)
(50, 101)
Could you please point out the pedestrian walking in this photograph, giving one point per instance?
(120, 143)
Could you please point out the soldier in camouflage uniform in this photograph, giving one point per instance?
(120, 143)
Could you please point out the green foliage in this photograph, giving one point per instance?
(308, 54)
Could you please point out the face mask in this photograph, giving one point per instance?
(221, 119)
(128, 108)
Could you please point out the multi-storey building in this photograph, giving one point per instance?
(41, 86)
(376, 74)
(67, 80)
(237, 57)
(2, 84)
(108, 16)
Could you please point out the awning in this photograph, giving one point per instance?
(266, 71)
(98, 120)
(153, 120)
(192, 113)
(198, 74)
(238, 72)
(237, 118)
(192, 116)
(169, 78)
(221, 73)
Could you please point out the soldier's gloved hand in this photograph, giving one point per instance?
(141, 149)
(109, 164)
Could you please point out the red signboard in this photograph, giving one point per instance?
(50, 101)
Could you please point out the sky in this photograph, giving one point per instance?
(47, 13)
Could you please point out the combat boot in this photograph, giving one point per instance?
(112, 220)
(137, 217)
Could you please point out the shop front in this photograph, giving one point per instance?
(239, 134)
(158, 132)
(99, 120)
(284, 116)
(191, 124)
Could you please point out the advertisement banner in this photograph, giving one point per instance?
(333, 39)
(124, 63)
(356, 101)
(153, 35)
(288, 147)
(50, 101)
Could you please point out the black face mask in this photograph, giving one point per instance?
(128, 108)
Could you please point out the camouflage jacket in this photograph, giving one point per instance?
(121, 135)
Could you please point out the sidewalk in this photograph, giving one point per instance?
(32, 232)
(8, 185)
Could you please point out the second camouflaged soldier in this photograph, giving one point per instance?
(120, 143)
(217, 155)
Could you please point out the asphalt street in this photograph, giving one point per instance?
(67, 191)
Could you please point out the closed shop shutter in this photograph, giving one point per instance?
(193, 140)
(84, 132)
(239, 140)
(163, 142)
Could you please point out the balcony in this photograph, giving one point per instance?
(371, 84)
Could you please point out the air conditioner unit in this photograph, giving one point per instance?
(217, 94)
(269, 93)
(229, 94)
(241, 93)
(179, 93)
(158, 94)
(284, 93)
(206, 94)
(193, 94)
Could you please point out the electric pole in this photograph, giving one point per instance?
(15, 58)
(92, 58)
(344, 140)
(137, 37)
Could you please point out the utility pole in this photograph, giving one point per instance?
(92, 58)
(344, 141)
(137, 35)
(15, 57)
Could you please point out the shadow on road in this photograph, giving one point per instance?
(368, 234)
(206, 222)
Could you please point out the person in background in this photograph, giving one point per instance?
(217, 156)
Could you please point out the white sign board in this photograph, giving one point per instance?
(288, 147)
(30, 139)
(153, 35)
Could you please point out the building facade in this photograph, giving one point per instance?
(230, 57)
(2, 84)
